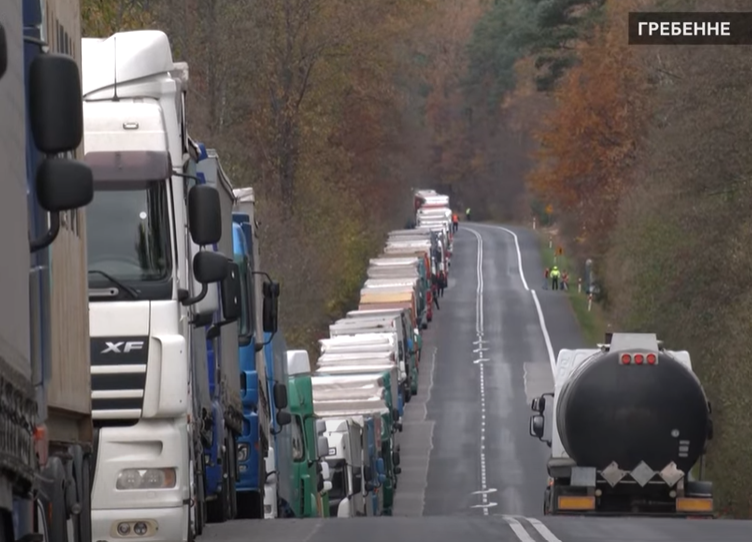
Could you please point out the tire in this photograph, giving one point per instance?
(232, 472)
(82, 471)
(217, 509)
(54, 498)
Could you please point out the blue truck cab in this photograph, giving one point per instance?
(248, 485)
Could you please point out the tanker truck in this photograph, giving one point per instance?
(630, 424)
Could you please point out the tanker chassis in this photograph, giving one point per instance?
(630, 425)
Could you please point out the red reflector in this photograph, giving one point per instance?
(639, 358)
(651, 359)
(626, 359)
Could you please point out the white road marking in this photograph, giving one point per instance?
(544, 330)
(543, 530)
(518, 529)
(479, 362)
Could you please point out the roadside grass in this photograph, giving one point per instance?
(591, 322)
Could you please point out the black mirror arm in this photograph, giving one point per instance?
(264, 273)
(47, 239)
(188, 301)
(216, 329)
(260, 347)
(186, 176)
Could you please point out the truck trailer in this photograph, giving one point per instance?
(630, 423)
(46, 449)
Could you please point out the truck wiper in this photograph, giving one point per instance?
(130, 291)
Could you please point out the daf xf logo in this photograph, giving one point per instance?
(122, 347)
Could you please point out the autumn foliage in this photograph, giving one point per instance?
(588, 143)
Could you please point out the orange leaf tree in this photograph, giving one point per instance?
(588, 142)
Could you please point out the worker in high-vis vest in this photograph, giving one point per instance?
(467, 214)
(554, 278)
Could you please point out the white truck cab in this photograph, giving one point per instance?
(148, 279)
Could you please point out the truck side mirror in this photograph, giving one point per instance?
(395, 414)
(280, 396)
(204, 215)
(321, 428)
(56, 110)
(62, 184)
(322, 447)
(231, 303)
(209, 267)
(283, 418)
(357, 481)
(537, 423)
(538, 405)
(3, 52)
(271, 306)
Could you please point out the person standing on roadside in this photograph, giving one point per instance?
(455, 222)
(555, 278)
(545, 279)
(435, 290)
(467, 214)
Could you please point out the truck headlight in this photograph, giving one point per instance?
(243, 450)
(146, 479)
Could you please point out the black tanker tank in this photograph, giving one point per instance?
(611, 411)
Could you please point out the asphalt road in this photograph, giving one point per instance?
(469, 467)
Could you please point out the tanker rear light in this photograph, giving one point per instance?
(639, 359)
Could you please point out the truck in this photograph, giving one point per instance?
(288, 444)
(255, 457)
(222, 375)
(147, 298)
(630, 423)
(404, 314)
(46, 449)
(373, 345)
(357, 419)
(391, 324)
(311, 471)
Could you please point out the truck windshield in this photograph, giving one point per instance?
(128, 232)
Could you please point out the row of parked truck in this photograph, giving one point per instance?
(146, 389)
(369, 367)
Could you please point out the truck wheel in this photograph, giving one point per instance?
(6, 527)
(200, 504)
(53, 499)
(232, 471)
(408, 392)
(82, 480)
(217, 509)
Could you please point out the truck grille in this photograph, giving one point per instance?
(118, 377)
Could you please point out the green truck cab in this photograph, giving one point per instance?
(308, 471)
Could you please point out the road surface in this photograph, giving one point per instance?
(470, 470)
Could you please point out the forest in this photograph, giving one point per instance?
(334, 109)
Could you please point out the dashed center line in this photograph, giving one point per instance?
(484, 490)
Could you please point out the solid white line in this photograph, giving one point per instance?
(431, 375)
(544, 330)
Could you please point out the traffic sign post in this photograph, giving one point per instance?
(589, 302)
(550, 241)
